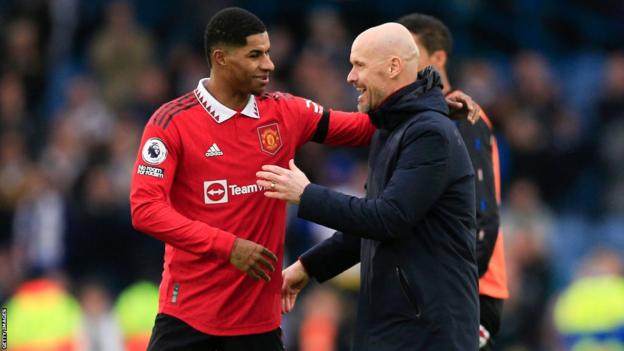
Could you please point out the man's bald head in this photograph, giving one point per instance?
(386, 41)
(385, 59)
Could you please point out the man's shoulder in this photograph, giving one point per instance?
(274, 96)
(431, 120)
(181, 105)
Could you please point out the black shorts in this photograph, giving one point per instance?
(491, 311)
(172, 334)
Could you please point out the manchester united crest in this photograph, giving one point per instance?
(270, 138)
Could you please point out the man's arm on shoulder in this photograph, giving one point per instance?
(339, 128)
(326, 126)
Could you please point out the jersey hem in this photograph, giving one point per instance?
(221, 330)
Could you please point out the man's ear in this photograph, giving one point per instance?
(218, 57)
(395, 67)
(438, 58)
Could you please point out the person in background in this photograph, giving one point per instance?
(435, 43)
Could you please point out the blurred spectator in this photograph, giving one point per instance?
(40, 226)
(23, 56)
(479, 78)
(126, 135)
(63, 158)
(152, 90)
(136, 309)
(43, 316)
(322, 314)
(14, 170)
(282, 55)
(119, 52)
(610, 136)
(90, 119)
(186, 66)
(64, 18)
(589, 313)
(14, 116)
(97, 231)
(100, 330)
(526, 223)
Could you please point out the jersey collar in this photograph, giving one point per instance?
(219, 112)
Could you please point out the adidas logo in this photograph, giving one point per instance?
(214, 151)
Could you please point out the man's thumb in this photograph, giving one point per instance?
(292, 165)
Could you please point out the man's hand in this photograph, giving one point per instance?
(253, 259)
(462, 106)
(294, 278)
(281, 183)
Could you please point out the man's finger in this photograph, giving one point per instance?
(275, 169)
(274, 195)
(270, 176)
(266, 263)
(264, 183)
(252, 274)
(260, 273)
(291, 301)
(454, 104)
(268, 252)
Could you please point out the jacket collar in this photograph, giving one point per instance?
(219, 112)
(422, 95)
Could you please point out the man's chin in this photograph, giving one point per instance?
(364, 108)
(258, 90)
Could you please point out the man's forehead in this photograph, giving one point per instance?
(258, 40)
(358, 51)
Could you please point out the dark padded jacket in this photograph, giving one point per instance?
(414, 233)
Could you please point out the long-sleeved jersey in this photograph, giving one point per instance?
(194, 187)
(481, 144)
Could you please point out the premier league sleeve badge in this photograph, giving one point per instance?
(154, 151)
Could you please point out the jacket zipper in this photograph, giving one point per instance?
(405, 289)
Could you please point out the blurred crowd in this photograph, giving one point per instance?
(78, 80)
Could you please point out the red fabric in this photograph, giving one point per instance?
(198, 201)
(349, 128)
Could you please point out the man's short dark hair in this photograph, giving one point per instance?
(433, 34)
(231, 26)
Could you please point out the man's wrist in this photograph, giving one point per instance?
(303, 267)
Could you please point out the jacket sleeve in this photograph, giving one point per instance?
(418, 180)
(332, 256)
(151, 209)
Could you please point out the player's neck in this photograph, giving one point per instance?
(225, 94)
(446, 84)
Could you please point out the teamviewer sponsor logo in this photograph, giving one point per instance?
(215, 192)
(218, 191)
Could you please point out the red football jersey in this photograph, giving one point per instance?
(194, 187)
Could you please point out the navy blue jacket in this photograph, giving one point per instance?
(414, 233)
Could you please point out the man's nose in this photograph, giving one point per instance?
(351, 77)
(267, 64)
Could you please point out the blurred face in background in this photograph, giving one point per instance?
(247, 67)
(436, 59)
